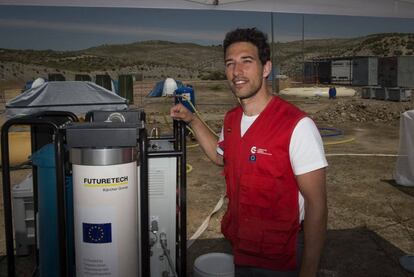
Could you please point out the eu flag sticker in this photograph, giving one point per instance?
(97, 233)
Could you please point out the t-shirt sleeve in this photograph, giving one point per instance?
(306, 148)
(220, 144)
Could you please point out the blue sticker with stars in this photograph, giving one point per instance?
(97, 233)
(252, 158)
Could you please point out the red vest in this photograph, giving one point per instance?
(262, 217)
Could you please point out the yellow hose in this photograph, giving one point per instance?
(193, 145)
(339, 141)
(185, 98)
(189, 168)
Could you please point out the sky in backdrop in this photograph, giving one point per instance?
(64, 28)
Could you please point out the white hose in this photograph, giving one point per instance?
(205, 223)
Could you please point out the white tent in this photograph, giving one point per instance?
(378, 8)
(404, 169)
(73, 96)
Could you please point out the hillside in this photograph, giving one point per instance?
(289, 55)
(159, 59)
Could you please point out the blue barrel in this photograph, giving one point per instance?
(47, 220)
(188, 92)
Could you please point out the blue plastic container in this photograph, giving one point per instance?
(48, 242)
(188, 92)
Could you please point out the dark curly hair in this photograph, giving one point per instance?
(252, 35)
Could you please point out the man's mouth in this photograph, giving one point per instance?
(239, 82)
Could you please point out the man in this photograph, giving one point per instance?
(273, 160)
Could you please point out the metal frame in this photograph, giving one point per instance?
(38, 119)
(178, 138)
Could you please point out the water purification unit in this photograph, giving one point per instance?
(108, 200)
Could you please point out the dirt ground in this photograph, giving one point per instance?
(371, 219)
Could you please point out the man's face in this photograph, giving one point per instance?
(244, 71)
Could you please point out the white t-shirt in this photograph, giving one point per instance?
(305, 149)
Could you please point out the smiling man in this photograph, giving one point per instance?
(274, 164)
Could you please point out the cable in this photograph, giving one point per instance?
(163, 242)
(334, 132)
(185, 98)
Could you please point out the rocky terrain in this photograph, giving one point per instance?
(363, 110)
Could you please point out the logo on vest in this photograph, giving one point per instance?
(255, 150)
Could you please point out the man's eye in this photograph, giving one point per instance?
(229, 64)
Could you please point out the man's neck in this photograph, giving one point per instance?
(256, 104)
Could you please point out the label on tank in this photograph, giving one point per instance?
(105, 218)
(97, 239)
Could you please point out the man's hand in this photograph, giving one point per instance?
(180, 112)
(206, 139)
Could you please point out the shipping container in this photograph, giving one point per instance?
(104, 81)
(396, 71)
(365, 71)
(55, 77)
(126, 87)
(83, 77)
(317, 72)
(341, 71)
(399, 94)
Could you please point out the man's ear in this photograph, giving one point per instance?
(267, 68)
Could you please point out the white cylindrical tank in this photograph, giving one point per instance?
(170, 85)
(105, 188)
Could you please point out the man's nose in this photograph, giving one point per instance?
(237, 69)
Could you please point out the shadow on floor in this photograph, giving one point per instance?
(357, 252)
(404, 189)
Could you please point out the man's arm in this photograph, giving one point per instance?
(206, 139)
(312, 187)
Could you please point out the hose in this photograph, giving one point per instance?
(193, 145)
(339, 141)
(185, 98)
(363, 155)
(334, 132)
(189, 168)
(205, 223)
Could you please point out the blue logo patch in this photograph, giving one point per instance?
(252, 158)
(97, 233)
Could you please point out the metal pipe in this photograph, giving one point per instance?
(165, 154)
(183, 200)
(145, 253)
(8, 221)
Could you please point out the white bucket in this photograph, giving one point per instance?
(214, 265)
